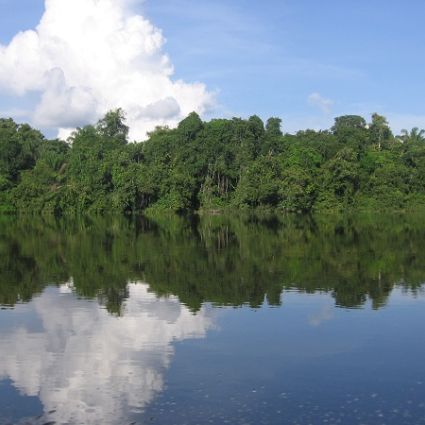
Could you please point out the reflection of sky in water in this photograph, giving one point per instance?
(306, 362)
(401, 296)
(87, 366)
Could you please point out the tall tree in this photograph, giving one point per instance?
(112, 125)
(380, 131)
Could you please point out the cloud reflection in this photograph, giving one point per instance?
(87, 366)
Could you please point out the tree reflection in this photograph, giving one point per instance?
(222, 260)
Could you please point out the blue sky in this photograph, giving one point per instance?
(305, 61)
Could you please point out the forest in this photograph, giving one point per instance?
(220, 165)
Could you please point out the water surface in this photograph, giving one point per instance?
(214, 320)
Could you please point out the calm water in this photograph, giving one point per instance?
(214, 321)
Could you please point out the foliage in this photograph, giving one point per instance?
(220, 164)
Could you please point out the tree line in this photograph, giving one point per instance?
(216, 165)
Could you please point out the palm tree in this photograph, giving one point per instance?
(414, 136)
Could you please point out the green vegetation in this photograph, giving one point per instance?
(217, 259)
(216, 165)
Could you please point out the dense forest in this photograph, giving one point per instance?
(216, 165)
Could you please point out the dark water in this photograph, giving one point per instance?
(213, 321)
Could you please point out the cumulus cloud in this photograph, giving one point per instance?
(89, 367)
(324, 104)
(62, 104)
(89, 56)
(166, 108)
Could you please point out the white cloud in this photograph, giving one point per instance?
(64, 105)
(89, 367)
(167, 108)
(89, 56)
(324, 104)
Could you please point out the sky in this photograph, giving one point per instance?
(304, 61)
